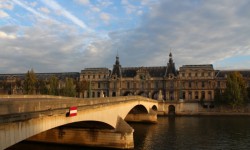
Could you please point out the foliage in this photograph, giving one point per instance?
(219, 97)
(30, 82)
(69, 88)
(248, 93)
(235, 92)
(42, 87)
(81, 87)
(53, 85)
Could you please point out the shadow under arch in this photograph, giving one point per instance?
(138, 109)
(154, 108)
(88, 125)
(171, 110)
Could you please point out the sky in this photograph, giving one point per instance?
(70, 35)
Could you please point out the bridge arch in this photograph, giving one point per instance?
(95, 109)
(171, 110)
(154, 108)
(138, 109)
(89, 124)
(127, 93)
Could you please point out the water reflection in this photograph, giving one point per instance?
(180, 133)
(195, 133)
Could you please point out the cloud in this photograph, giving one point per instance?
(198, 32)
(83, 2)
(33, 11)
(105, 17)
(4, 35)
(3, 14)
(55, 6)
(44, 10)
(6, 5)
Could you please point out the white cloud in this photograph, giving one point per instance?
(33, 4)
(6, 5)
(44, 10)
(83, 2)
(4, 35)
(3, 14)
(55, 6)
(95, 9)
(33, 11)
(105, 17)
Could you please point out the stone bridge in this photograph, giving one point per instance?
(22, 117)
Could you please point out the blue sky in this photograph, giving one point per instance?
(69, 35)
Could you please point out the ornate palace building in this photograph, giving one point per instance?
(189, 83)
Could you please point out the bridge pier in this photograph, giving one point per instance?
(150, 117)
(121, 137)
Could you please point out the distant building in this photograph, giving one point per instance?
(189, 83)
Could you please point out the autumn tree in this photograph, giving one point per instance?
(69, 89)
(30, 82)
(219, 97)
(81, 87)
(42, 87)
(53, 85)
(235, 92)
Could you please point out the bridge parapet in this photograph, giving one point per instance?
(35, 103)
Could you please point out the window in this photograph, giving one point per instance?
(183, 74)
(93, 76)
(93, 94)
(99, 85)
(88, 76)
(203, 84)
(196, 95)
(99, 76)
(209, 74)
(190, 95)
(190, 84)
(183, 95)
(196, 74)
(218, 84)
(128, 85)
(189, 74)
(202, 74)
(203, 95)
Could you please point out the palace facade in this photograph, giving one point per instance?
(189, 83)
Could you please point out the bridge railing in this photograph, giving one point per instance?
(35, 103)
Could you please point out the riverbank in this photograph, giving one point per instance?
(196, 109)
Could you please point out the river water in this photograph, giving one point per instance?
(178, 133)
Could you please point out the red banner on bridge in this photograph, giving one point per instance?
(72, 111)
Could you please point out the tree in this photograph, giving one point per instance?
(30, 82)
(81, 87)
(69, 88)
(235, 92)
(219, 97)
(248, 93)
(42, 87)
(53, 85)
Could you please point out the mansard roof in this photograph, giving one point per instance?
(203, 66)
(61, 75)
(153, 71)
(95, 70)
(224, 73)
